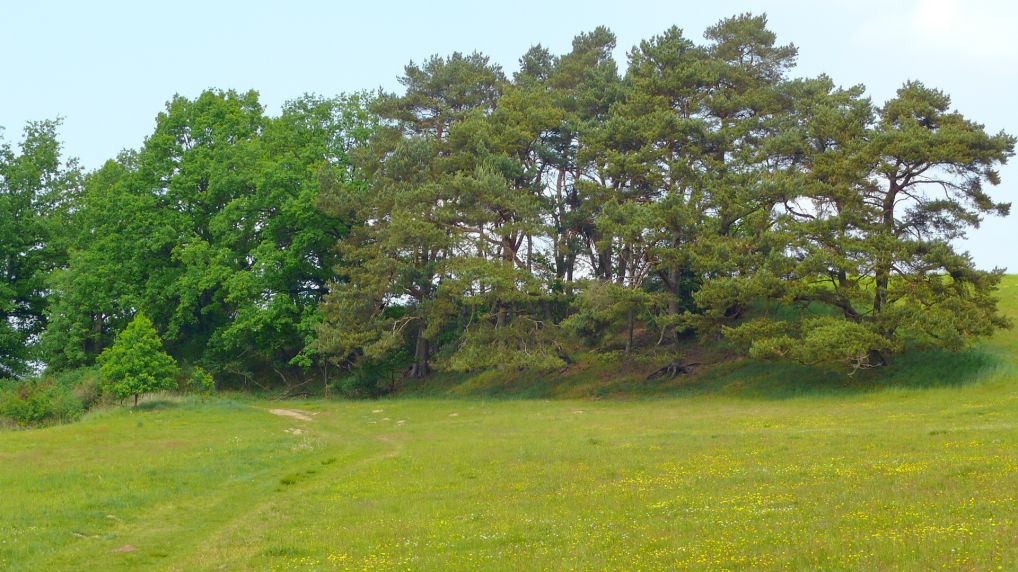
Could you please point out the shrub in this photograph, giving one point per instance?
(87, 391)
(201, 381)
(371, 378)
(39, 401)
(83, 383)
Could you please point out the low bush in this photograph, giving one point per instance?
(49, 399)
(200, 382)
(39, 402)
(370, 380)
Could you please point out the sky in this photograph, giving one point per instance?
(107, 68)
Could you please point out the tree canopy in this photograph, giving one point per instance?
(477, 219)
(38, 190)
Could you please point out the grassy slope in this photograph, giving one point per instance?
(743, 471)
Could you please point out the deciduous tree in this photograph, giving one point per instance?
(136, 363)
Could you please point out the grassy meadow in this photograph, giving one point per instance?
(741, 468)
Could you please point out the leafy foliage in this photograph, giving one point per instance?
(201, 381)
(212, 229)
(37, 189)
(136, 362)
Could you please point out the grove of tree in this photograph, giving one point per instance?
(479, 220)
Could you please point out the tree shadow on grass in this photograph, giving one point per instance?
(741, 378)
(156, 405)
(927, 369)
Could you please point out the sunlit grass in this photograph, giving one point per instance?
(740, 469)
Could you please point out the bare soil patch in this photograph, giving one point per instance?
(293, 413)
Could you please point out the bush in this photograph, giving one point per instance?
(200, 381)
(87, 391)
(40, 401)
(83, 383)
(372, 378)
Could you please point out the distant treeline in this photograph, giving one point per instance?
(478, 221)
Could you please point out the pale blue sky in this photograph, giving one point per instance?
(108, 67)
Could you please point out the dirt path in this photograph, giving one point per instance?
(294, 413)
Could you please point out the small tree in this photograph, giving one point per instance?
(201, 382)
(136, 362)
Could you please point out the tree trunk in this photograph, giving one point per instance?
(325, 377)
(883, 265)
(135, 399)
(620, 277)
(629, 336)
(97, 332)
(672, 283)
(420, 367)
(500, 315)
(673, 302)
(882, 280)
(530, 253)
(604, 261)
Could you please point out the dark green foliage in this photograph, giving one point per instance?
(873, 200)
(605, 308)
(374, 377)
(412, 208)
(37, 188)
(505, 216)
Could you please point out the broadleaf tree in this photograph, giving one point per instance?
(136, 363)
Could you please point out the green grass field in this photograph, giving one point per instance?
(740, 468)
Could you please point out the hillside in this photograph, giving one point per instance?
(721, 371)
(744, 466)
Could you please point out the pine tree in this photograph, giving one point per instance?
(875, 199)
(387, 296)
